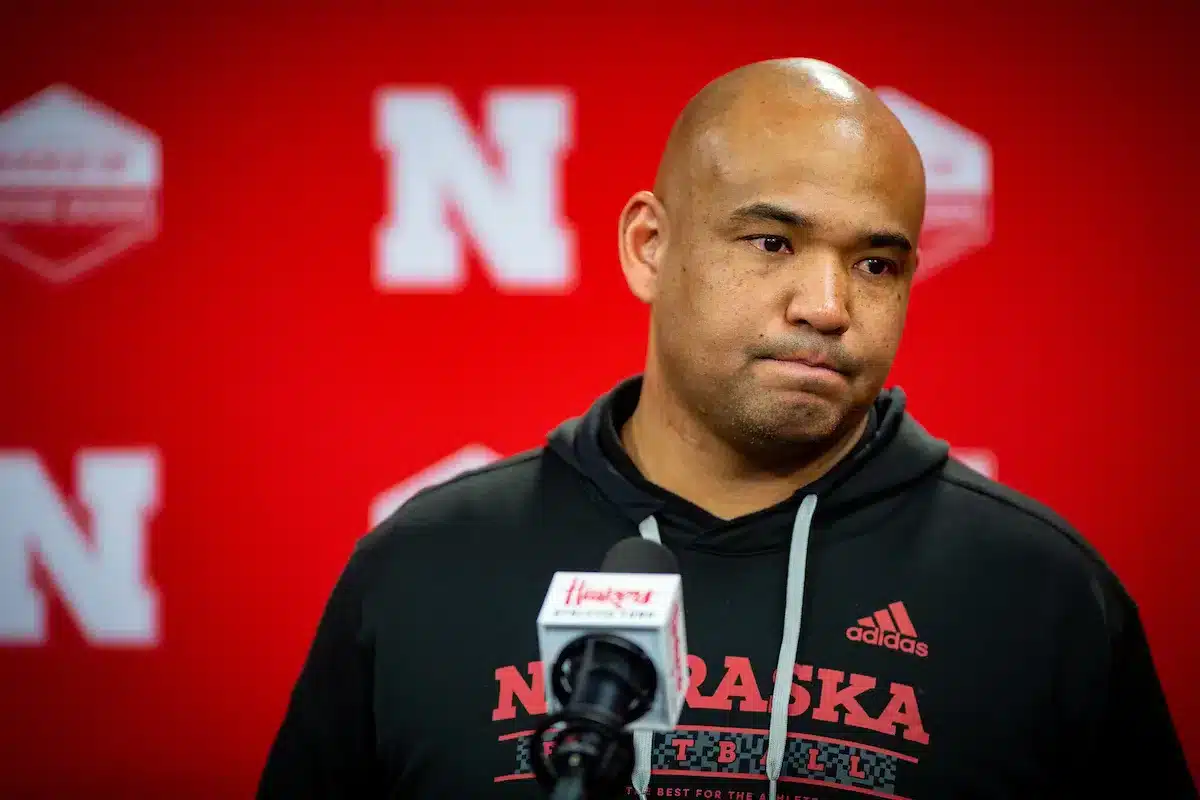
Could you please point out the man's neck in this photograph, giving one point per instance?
(672, 449)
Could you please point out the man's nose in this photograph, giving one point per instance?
(820, 293)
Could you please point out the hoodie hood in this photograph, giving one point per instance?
(894, 453)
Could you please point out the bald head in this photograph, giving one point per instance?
(781, 233)
(792, 109)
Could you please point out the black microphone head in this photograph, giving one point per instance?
(639, 555)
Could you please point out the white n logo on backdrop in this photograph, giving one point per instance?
(476, 456)
(99, 569)
(510, 205)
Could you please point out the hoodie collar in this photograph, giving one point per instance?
(894, 452)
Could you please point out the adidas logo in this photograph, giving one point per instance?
(889, 627)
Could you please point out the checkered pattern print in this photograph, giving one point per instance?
(873, 770)
(704, 754)
(524, 755)
(718, 752)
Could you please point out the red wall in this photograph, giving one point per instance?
(269, 387)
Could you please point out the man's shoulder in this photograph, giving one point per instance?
(995, 513)
(496, 496)
(487, 490)
(998, 502)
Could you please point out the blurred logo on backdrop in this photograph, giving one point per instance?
(958, 183)
(79, 184)
(88, 546)
(477, 456)
(501, 190)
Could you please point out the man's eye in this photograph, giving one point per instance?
(879, 266)
(771, 244)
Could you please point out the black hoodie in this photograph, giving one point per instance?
(949, 638)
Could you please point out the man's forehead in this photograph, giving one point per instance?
(806, 170)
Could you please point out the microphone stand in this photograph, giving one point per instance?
(591, 760)
(570, 787)
(603, 683)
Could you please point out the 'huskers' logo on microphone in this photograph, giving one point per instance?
(678, 649)
(579, 594)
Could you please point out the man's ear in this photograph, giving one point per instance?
(642, 244)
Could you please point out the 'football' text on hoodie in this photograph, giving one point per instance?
(947, 637)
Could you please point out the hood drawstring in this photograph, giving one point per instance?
(643, 741)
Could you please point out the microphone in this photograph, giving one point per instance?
(615, 653)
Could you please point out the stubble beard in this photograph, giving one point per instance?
(768, 429)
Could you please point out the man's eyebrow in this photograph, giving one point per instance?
(770, 212)
(763, 211)
(888, 239)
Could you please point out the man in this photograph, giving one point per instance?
(948, 637)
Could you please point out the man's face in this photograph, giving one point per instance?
(785, 282)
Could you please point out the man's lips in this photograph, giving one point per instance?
(807, 359)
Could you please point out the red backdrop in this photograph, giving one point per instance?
(265, 385)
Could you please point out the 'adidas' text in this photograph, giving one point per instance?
(889, 627)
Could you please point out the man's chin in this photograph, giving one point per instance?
(808, 434)
(804, 420)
